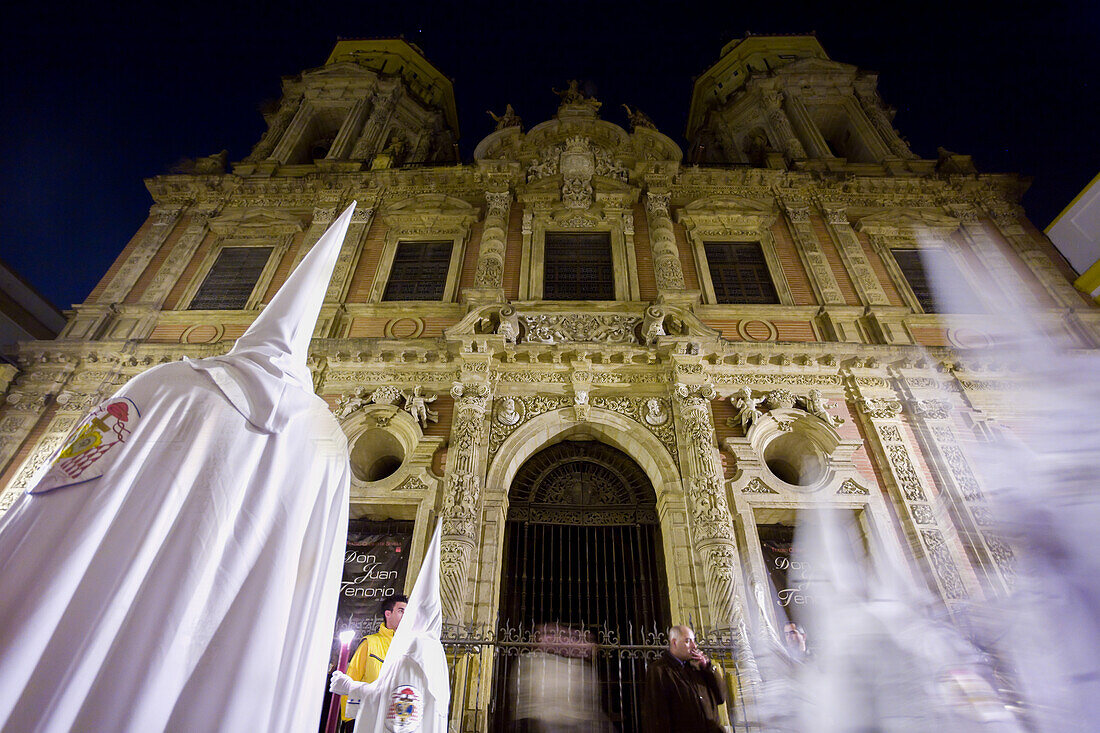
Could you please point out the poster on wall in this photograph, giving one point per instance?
(787, 575)
(375, 563)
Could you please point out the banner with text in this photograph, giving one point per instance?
(375, 562)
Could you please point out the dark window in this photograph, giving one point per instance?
(740, 273)
(960, 298)
(231, 279)
(578, 267)
(419, 271)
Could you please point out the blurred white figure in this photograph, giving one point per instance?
(555, 687)
(1039, 472)
(883, 660)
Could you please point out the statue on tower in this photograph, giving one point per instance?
(573, 95)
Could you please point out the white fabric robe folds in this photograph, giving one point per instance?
(188, 579)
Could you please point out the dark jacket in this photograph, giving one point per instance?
(681, 699)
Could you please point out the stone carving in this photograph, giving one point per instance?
(508, 119)
(932, 409)
(905, 472)
(881, 407)
(638, 119)
(509, 324)
(756, 486)
(655, 412)
(940, 557)
(922, 514)
(552, 329)
(580, 402)
(817, 406)
(509, 411)
(416, 404)
(851, 487)
(578, 165)
(572, 94)
(653, 325)
(748, 408)
(412, 483)
(779, 399)
(527, 408)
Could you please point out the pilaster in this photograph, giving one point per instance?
(489, 280)
(163, 219)
(666, 255)
(855, 259)
(176, 261)
(711, 521)
(461, 511)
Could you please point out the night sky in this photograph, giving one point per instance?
(94, 100)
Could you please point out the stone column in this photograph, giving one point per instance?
(489, 280)
(176, 261)
(350, 128)
(163, 219)
(380, 114)
(781, 126)
(662, 239)
(293, 133)
(711, 522)
(275, 129)
(462, 496)
(873, 108)
(1007, 218)
(866, 282)
(811, 136)
(913, 500)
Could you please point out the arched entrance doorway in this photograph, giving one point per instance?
(582, 553)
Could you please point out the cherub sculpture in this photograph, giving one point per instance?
(817, 405)
(748, 412)
(417, 405)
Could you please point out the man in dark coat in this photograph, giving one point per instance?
(683, 689)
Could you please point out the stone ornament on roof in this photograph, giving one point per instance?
(508, 119)
(572, 95)
(638, 119)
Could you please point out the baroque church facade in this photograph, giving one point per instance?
(613, 367)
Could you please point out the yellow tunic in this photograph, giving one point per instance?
(366, 663)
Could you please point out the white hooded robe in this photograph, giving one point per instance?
(412, 692)
(182, 574)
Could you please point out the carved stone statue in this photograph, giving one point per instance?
(573, 95)
(507, 412)
(638, 119)
(817, 405)
(653, 325)
(655, 412)
(747, 405)
(349, 404)
(509, 324)
(508, 119)
(416, 405)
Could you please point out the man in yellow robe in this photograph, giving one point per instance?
(366, 663)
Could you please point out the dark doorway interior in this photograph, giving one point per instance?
(583, 552)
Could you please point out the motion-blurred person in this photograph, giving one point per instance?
(683, 689)
(555, 687)
(794, 638)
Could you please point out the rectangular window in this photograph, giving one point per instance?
(230, 281)
(419, 271)
(912, 265)
(740, 273)
(578, 266)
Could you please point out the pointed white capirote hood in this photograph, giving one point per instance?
(424, 612)
(265, 375)
(418, 634)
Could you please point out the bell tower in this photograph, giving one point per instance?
(376, 103)
(781, 102)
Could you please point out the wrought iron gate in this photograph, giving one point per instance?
(582, 566)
